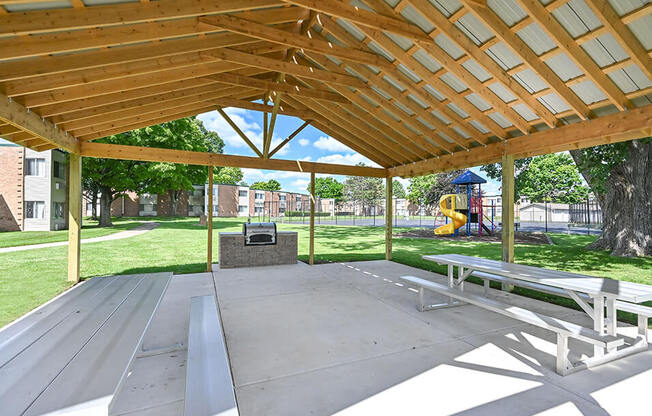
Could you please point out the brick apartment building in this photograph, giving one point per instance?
(228, 201)
(33, 189)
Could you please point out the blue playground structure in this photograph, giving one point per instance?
(465, 207)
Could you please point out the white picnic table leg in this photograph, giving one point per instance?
(460, 276)
(598, 322)
(486, 287)
(451, 273)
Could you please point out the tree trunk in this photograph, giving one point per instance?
(174, 202)
(105, 207)
(94, 205)
(627, 204)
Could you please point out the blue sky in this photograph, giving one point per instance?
(311, 144)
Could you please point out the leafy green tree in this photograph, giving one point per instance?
(270, 185)
(228, 176)
(553, 177)
(397, 189)
(115, 177)
(328, 188)
(619, 176)
(428, 189)
(362, 189)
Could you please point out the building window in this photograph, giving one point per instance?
(258, 210)
(243, 192)
(35, 209)
(57, 208)
(260, 195)
(59, 170)
(242, 208)
(281, 198)
(34, 167)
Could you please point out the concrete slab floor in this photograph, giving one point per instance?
(347, 338)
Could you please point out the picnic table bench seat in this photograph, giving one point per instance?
(73, 354)
(563, 329)
(209, 384)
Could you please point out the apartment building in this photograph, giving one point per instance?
(228, 201)
(33, 191)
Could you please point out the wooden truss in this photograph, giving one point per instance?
(410, 87)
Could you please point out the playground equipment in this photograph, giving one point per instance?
(465, 208)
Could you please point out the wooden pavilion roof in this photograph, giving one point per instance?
(414, 85)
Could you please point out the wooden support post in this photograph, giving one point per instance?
(311, 258)
(209, 219)
(388, 218)
(74, 216)
(508, 213)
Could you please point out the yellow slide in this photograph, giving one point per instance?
(458, 219)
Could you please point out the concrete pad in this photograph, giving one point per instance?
(235, 284)
(280, 335)
(169, 326)
(427, 380)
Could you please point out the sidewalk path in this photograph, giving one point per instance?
(141, 229)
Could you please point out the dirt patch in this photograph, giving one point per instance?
(519, 237)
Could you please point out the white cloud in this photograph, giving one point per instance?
(304, 142)
(330, 144)
(346, 159)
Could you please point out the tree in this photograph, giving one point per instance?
(328, 188)
(429, 189)
(620, 177)
(228, 176)
(115, 177)
(174, 178)
(553, 177)
(270, 185)
(363, 189)
(397, 189)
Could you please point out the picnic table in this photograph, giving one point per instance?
(592, 294)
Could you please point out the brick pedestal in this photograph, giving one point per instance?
(234, 253)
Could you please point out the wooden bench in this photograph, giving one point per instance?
(563, 329)
(643, 312)
(209, 385)
(75, 353)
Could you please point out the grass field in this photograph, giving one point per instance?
(30, 278)
(90, 229)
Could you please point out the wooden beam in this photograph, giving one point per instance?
(623, 34)
(266, 33)
(290, 137)
(507, 215)
(149, 154)
(622, 126)
(43, 21)
(363, 17)
(237, 130)
(294, 90)
(16, 114)
(389, 200)
(242, 58)
(74, 216)
(209, 222)
(557, 33)
(311, 248)
(272, 122)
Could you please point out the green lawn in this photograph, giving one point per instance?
(89, 230)
(30, 278)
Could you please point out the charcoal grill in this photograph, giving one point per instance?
(259, 233)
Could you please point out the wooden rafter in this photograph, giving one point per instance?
(289, 138)
(237, 130)
(557, 32)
